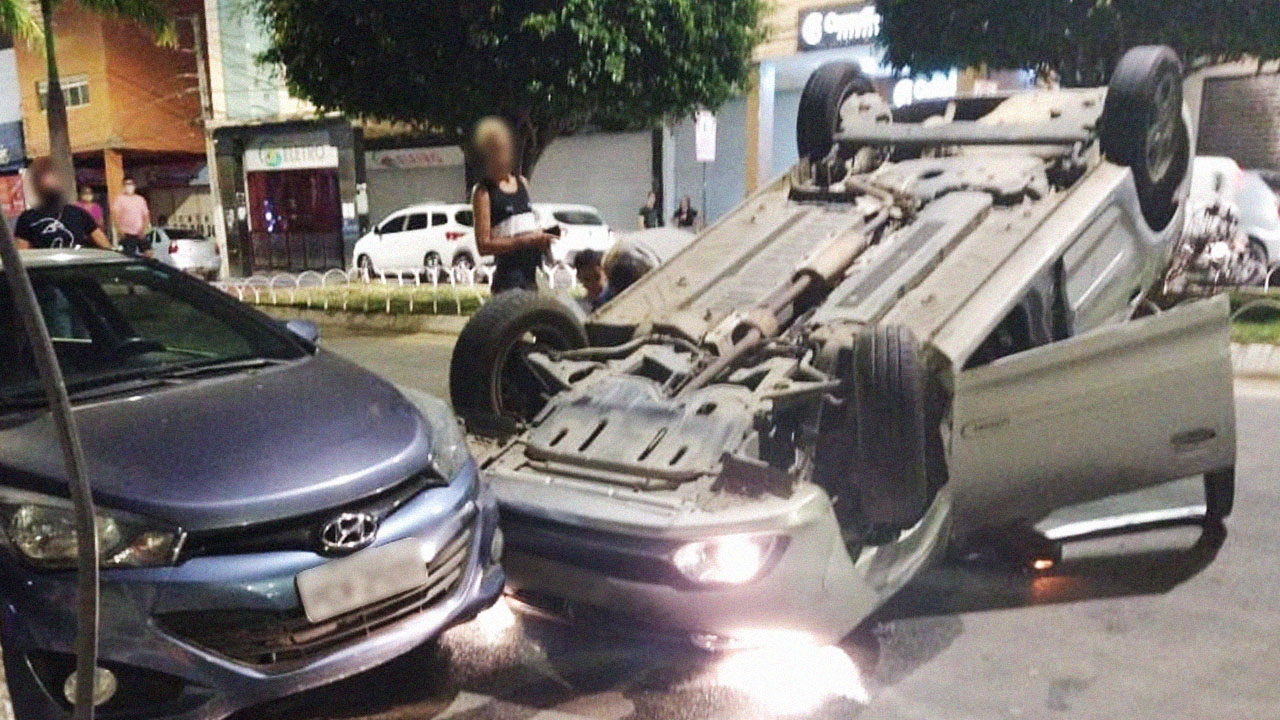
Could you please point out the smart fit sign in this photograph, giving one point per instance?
(839, 26)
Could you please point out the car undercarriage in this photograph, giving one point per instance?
(789, 418)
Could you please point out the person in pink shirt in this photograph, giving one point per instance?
(87, 204)
(132, 218)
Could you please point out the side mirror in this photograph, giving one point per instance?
(304, 329)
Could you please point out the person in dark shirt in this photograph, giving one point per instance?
(650, 214)
(685, 216)
(54, 222)
(505, 224)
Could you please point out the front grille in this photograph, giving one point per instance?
(628, 557)
(276, 641)
(300, 533)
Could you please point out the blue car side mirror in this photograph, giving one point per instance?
(304, 329)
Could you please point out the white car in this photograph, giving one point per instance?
(581, 228)
(432, 235)
(1221, 178)
(188, 250)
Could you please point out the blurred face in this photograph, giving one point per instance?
(651, 200)
(129, 187)
(49, 185)
(592, 280)
(86, 195)
(499, 154)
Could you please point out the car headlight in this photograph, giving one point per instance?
(729, 559)
(449, 451)
(43, 531)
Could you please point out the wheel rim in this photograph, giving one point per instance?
(463, 262)
(1162, 135)
(516, 390)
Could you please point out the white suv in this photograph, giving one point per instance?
(418, 237)
(581, 227)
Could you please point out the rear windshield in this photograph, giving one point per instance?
(577, 217)
(118, 322)
(184, 234)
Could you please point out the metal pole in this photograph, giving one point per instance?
(211, 157)
(705, 221)
(55, 389)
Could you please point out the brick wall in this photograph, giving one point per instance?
(1240, 118)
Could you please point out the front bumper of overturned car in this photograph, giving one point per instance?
(588, 556)
(164, 672)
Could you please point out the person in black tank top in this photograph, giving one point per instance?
(505, 225)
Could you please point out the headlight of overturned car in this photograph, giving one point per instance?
(43, 531)
(725, 560)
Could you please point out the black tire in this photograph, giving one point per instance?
(1142, 128)
(366, 265)
(819, 115)
(890, 450)
(1219, 494)
(1259, 266)
(489, 385)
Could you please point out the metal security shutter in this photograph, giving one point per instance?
(611, 171)
(1240, 118)
(392, 189)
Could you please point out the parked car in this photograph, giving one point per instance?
(1221, 178)
(581, 228)
(188, 250)
(271, 516)
(432, 235)
(935, 324)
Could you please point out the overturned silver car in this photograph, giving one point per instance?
(937, 322)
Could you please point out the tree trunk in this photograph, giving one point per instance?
(531, 141)
(56, 109)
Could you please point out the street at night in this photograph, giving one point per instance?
(1125, 627)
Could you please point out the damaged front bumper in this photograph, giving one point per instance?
(588, 550)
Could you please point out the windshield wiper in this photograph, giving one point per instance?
(227, 366)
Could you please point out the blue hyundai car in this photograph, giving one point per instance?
(271, 517)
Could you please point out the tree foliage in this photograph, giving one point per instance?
(548, 66)
(1079, 39)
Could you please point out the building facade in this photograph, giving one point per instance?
(132, 108)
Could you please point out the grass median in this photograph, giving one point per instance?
(374, 299)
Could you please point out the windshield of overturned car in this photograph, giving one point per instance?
(119, 322)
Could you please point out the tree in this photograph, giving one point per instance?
(1080, 40)
(15, 17)
(549, 66)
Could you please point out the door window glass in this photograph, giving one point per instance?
(416, 222)
(391, 225)
(439, 218)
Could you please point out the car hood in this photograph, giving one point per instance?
(220, 452)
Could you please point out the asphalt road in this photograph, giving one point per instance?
(1163, 624)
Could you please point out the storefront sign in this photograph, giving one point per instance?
(291, 153)
(839, 26)
(704, 136)
(407, 158)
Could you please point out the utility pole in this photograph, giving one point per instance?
(211, 159)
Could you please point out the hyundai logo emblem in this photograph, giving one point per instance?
(348, 533)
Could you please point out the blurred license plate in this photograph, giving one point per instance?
(364, 578)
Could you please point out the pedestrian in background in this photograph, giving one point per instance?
(650, 214)
(54, 222)
(685, 216)
(505, 225)
(89, 205)
(132, 218)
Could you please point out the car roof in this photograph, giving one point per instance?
(556, 207)
(55, 257)
(429, 207)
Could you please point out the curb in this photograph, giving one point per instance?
(1256, 360)
(369, 322)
